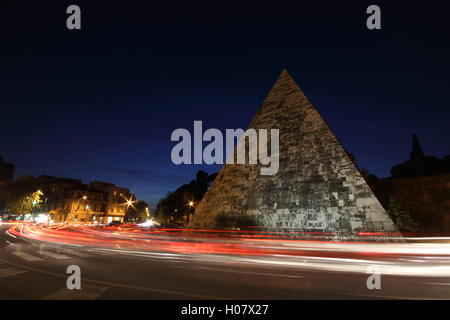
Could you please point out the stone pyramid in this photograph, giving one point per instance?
(317, 187)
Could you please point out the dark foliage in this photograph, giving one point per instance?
(235, 221)
(402, 219)
(420, 165)
(137, 213)
(175, 205)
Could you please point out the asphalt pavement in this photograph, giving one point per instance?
(37, 270)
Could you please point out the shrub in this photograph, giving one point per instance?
(401, 218)
(241, 221)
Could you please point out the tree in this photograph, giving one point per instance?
(401, 218)
(171, 207)
(18, 206)
(21, 205)
(181, 202)
(138, 212)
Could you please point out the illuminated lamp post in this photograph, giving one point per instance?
(129, 203)
(191, 205)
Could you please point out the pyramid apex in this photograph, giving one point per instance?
(284, 73)
(286, 79)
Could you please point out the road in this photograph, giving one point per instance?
(33, 266)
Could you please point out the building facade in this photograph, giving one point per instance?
(69, 200)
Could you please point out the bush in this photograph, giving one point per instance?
(224, 220)
(402, 219)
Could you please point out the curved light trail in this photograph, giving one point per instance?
(428, 257)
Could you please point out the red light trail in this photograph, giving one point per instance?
(311, 250)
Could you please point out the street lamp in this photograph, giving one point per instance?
(191, 205)
(129, 202)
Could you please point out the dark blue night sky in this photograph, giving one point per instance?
(101, 103)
